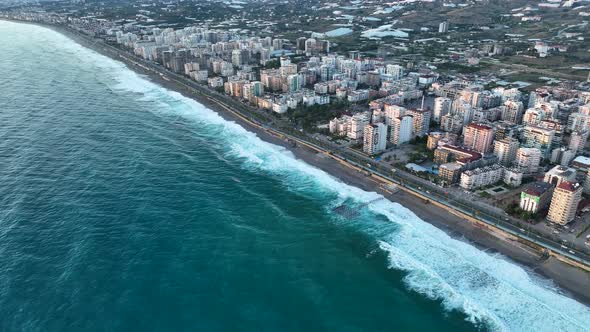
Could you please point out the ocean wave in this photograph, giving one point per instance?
(487, 288)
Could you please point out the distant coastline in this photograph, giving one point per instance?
(572, 279)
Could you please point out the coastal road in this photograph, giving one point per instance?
(416, 185)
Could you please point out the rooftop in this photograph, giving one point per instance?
(561, 171)
(451, 166)
(479, 126)
(582, 160)
(569, 186)
(537, 188)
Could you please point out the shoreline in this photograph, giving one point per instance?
(574, 281)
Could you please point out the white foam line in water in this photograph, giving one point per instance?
(488, 288)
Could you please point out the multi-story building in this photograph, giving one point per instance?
(215, 82)
(528, 160)
(578, 140)
(566, 197)
(375, 138)
(540, 138)
(392, 112)
(513, 177)
(433, 139)
(482, 176)
(450, 172)
(451, 123)
(358, 122)
(587, 182)
(396, 71)
(536, 197)
(442, 107)
(437, 138)
(505, 149)
(478, 137)
(446, 153)
(421, 121)
(512, 111)
(339, 126)
(401, 129)
(578, 121)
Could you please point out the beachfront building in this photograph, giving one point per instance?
(375, 138)
(215, 82)
(536, 197)
(401, 130)
(478, 137)
(339, 126)
(357, 125)
(559, 174)
(505, 149)
(481, 177)
(566, 197)
(446, 153)
(450, 172)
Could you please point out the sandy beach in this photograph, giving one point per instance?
(573, 281)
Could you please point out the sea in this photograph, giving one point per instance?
(125, 206)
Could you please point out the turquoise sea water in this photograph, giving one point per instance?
(127, 207)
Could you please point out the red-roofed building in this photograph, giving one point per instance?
(478, 137)
(444, 154)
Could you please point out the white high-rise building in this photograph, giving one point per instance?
(480, 177)
(578, 141)
(357, 125)
(392, 112)
(401, 129)
(528, 160)
(505, 150)
(375, 138)
(421, 120)
(443, 27)
(396, 71)
(540, 138)
(442, 107)
(564, 203)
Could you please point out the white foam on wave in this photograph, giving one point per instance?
(488, 288)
